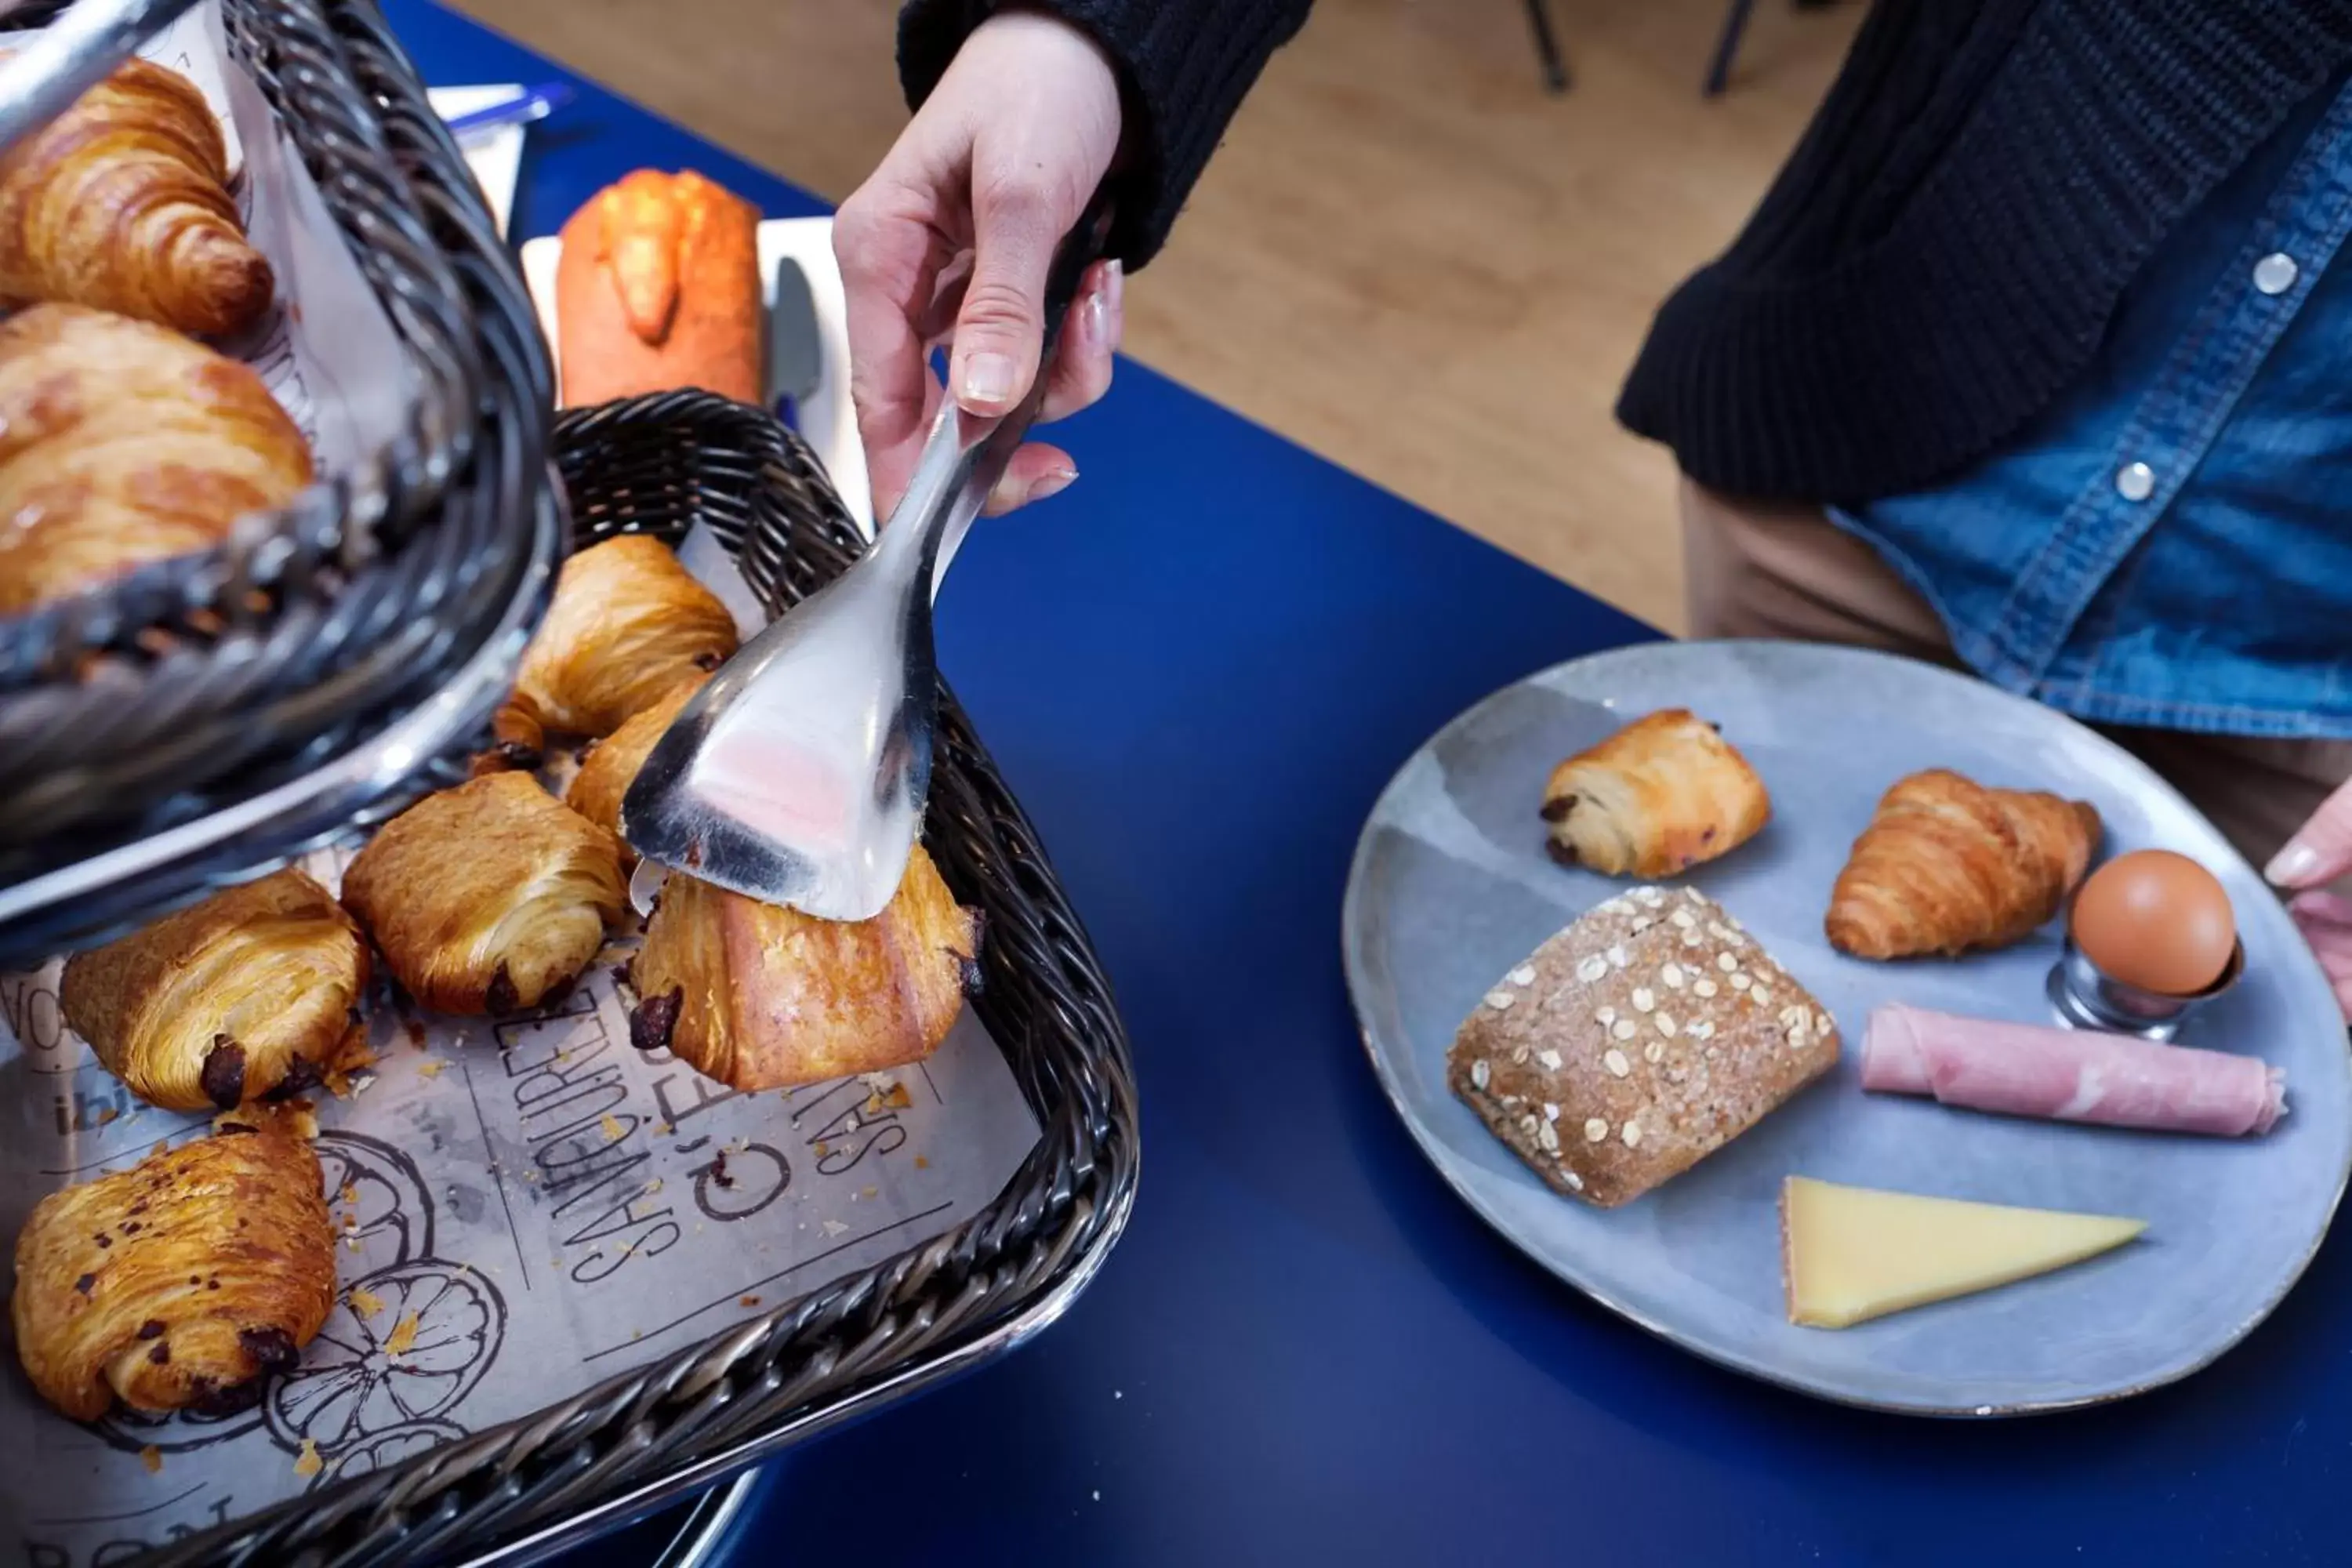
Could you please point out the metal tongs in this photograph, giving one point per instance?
(41, 79)
(799, 773)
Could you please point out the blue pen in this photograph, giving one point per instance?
(536, 103)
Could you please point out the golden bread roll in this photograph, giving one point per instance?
(252, 991)
(608, 768)
(658, 288)
(759, 996)
(487, 897)
(121, 444)
(122, 203)
(1657, 797)
(1948, 865)
(627, 624)
(181, 1284)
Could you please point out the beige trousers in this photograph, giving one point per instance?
(1755, 571)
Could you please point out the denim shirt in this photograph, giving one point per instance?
(2169, 544)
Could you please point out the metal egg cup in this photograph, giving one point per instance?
(2088, 997)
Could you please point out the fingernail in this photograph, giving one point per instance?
(987, 378)
(2292, 866)
(1096, 311)
(1052, 482)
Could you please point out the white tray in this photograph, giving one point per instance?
(827, 420)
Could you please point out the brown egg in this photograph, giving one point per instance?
(2157, 920)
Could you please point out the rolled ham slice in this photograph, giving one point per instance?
(2069, 1074)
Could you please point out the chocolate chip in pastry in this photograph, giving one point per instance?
(518, 741)
(1647, 1035)
(1657, 797)
(252, 991)
(181, 1284)
(628, 624)
(759, 996)
(489, 897)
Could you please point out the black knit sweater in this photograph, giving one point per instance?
(1184, 68)
(1940, 256)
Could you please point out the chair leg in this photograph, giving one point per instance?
(1555, 68)
(1726, 47)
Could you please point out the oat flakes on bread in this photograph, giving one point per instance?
(1631, 1045)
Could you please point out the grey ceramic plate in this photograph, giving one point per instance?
(1450, 887)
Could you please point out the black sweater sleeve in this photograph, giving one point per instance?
(1184, 66)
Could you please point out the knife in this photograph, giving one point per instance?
(795, 352)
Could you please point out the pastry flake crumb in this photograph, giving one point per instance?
(614, 1131)
(431, 1067)
(403, 1338)
(835, 1227)
(153, 1458)
(308, 1463)
(364, 1303)
(747, 1300)
(921, 1164)
(305, 1123)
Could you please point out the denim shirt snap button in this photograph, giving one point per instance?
(2277, 273)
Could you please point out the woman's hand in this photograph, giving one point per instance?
(2321, 853)
(952, 237)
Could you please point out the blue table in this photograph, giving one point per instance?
(1198, 669)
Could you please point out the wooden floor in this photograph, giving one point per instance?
(1407, 257)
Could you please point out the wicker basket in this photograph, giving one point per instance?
(196, 683)
(597, 1457)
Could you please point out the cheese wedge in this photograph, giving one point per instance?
(1851, 1254)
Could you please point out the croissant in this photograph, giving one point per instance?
(122, 203)
(123, 443)
(627, 624)
(609, 767)
(489, 897)
(181, 1284)
(1947, 866)
(251, 991)
(1657, 797)
(759, 996)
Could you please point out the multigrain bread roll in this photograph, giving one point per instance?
(1657, 797)
(181, 1284)
(658, 288)
(254, 990)
(628, 625)
(1646, 1036)
(486, 898)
